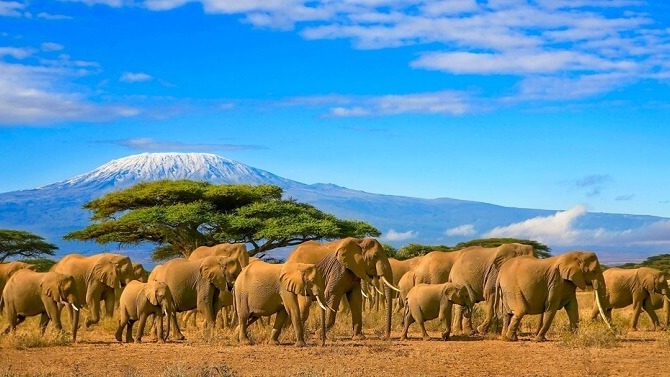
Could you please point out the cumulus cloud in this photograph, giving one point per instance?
(11, 8)
(463, 230)
(559, 229)
(392, 235)
(153, 145)
(33, 94)
(444, 102)
(135, 77)
(51, 46)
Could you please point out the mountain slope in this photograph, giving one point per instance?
(55, 209)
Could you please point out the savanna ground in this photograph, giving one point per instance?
(592, 351)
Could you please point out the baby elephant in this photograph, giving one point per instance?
(429, 301)
(29, 293)
(139, 301)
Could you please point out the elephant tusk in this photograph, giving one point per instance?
(364, 295)
(390, 285)
(377, 289)
(318, 300)
(75, 307)
(602, 312)
(165, 312)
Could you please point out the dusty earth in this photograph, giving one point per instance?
(591, 352)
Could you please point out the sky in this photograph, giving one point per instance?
(551, 104)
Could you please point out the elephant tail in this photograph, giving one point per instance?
(498, 305)
(2, 304)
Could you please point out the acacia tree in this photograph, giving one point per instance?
(179, 216)
(542, 250)
(19, 243)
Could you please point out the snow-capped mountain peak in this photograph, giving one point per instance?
(155, 166)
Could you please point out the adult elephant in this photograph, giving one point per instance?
(9, 269)
(527, 285)
(264, 289)
(235, 250)
(196, 284)
(98, 278)
(343, 264)
(29, 293)
(476, 268)
(642, 287)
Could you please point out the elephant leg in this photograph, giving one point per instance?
(488, 317)
(305, 303)
(129, 331)
(637, 308)
(445, 317)
(244, 321)
(175, 328)
(109, 306)
(513, 326)
(44, 321)
(547, 318)
(53, 314)
(355, 303)
(94, 314)
(595, 313)
(649, 308)
(540, 322)
(407, 321)
(422, 325)
(143, 322)
(458, 320)
(572, 310)
(280, 319)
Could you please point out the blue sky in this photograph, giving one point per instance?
(538, 104)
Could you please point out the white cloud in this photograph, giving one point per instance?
(11, 8)
(445, 102)
(51, 46)
(463, 230)
(153, 145)
(48, 16)
(559, 229)
(40, 94)
(392, 235)
(135, 77)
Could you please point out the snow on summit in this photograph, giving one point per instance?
(155, 166)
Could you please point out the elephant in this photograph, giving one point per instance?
(98, 277)
(527, 285)
(406, 283)
(399, 269)
(195, 284)
(343, 264)
(138, 302)
(236, 250)
(429, 301)
(141, 274)
(29, 293)
(8, 269)
(264, 289)
(476, 268)
(643, 287)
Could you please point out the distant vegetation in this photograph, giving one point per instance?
(413, 250)
(659, 262)
(41, 264)
(18, 243)
(178, 216)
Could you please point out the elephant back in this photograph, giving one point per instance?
(435, 267)
(237, 250)
(311, 252)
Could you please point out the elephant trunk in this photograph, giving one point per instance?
(323, 325)
(601, 298)
(386, 276)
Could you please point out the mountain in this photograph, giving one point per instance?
(56, 209)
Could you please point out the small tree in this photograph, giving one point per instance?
(414, 250)
(542, 250)
(18, 243)
(41, 264)
(390, 251)
(179, 216)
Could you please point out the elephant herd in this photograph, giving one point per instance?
(508, 281)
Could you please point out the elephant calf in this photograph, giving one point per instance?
(264, 289)
(139, 301)
(429, 301)
(29, 293)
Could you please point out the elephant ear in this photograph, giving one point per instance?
(106, 272)
(350, 256)
(50, 286)
(212, 272)
(572, 271)
(504, 252)
(293, 277)
(150, 292)
(647, 281)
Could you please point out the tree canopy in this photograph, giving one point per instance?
(178, 216)
(19, 243)
(542, 250)
(659, 262)
(414, 250)
(41, 264)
